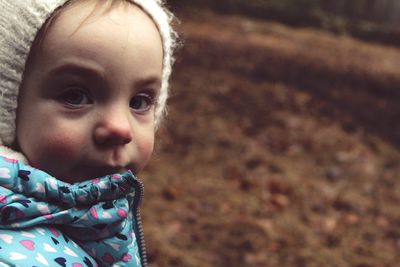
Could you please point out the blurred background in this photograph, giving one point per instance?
(281, 147)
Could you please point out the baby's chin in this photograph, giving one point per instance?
(77, 177)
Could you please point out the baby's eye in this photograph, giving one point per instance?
(75, 97)
(141, 102)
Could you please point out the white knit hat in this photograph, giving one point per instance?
(20, 21)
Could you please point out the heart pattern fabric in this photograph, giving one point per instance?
(46, 222)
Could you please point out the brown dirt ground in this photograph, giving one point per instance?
(281, 148)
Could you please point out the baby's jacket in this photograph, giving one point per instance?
(47, 222)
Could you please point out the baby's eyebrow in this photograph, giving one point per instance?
(93, 71)
(153, 81)
(85, 69)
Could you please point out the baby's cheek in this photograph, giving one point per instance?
(64, 146)
(58, 147)
(146, 150)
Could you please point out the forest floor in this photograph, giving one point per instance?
(281, 148)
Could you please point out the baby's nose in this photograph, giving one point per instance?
(114, 129)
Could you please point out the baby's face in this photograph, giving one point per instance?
(86, 107)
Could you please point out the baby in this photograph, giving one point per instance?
(83, 86)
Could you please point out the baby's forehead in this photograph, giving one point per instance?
(72, 24)
(75, 18)
(80, 36)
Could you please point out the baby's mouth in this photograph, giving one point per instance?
(98, 171)
(86, 172)
(97, 168)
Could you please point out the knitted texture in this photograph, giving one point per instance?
(20, 22)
